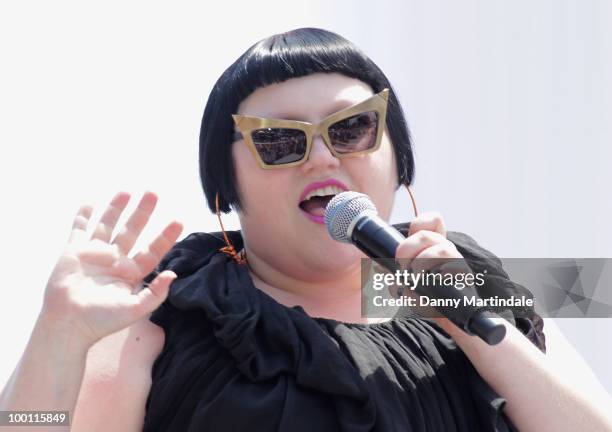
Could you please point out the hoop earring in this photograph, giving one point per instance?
(414, 206)
(239, 257)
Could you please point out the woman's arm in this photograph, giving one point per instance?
(48, 376)
(92, 293)
(541, 392)
(540, 395)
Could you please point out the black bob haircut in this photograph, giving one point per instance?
(276, 59)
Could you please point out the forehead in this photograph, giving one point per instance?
(310, 98)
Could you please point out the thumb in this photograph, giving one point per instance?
(150, 297)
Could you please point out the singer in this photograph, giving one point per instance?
(260, 329)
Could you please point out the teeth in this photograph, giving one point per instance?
(327, 190)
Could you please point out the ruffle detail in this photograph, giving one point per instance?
(267, 340)
(262, 348)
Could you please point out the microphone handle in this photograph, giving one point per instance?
(378, 239)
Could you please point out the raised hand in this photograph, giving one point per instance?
(94, 289)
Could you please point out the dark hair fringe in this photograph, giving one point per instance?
(276, 59)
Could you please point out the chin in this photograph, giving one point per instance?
(338, 256)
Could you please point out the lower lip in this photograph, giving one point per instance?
(314, 218)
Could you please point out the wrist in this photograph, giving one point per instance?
(61, 332)
(473, 345)
(50, 371)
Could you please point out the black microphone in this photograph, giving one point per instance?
(351, 217)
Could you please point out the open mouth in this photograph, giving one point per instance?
(315, 201)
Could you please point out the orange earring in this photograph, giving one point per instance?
(239, 257)
(414, 206)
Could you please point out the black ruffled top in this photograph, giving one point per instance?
(234, 359)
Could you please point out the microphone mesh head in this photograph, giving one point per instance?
(342, 210)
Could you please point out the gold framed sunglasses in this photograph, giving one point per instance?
(353, 131)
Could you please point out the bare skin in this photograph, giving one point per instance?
(92, 348)
(94, 375)
(118, 368)
(92, 337)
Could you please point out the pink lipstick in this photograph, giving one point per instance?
(316, 195)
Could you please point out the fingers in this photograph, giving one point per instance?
(149, 258)
(99, 254)
(435, 256)
(133, 228)
(104, 229)
(430, 221)
(418, 242)
(426, 243)
(149, 298)
(79, 226)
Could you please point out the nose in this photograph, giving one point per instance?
(320, 158)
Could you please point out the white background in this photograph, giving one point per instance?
(509, 104)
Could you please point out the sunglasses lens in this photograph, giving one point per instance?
(354, 134)
(278, 146)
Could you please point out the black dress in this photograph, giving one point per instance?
(235, 359)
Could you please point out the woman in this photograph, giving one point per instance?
(261, 329)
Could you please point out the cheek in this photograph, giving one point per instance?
(386, 168)
(379, 178)
(382, 162)
(260, 190)
(246, 176)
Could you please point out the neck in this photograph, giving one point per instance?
(337, 296)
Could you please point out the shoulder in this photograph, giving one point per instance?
(194, 251)
(498, 283)
(118, 373)
(117, 379)
(476, 256)
(465, 244)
